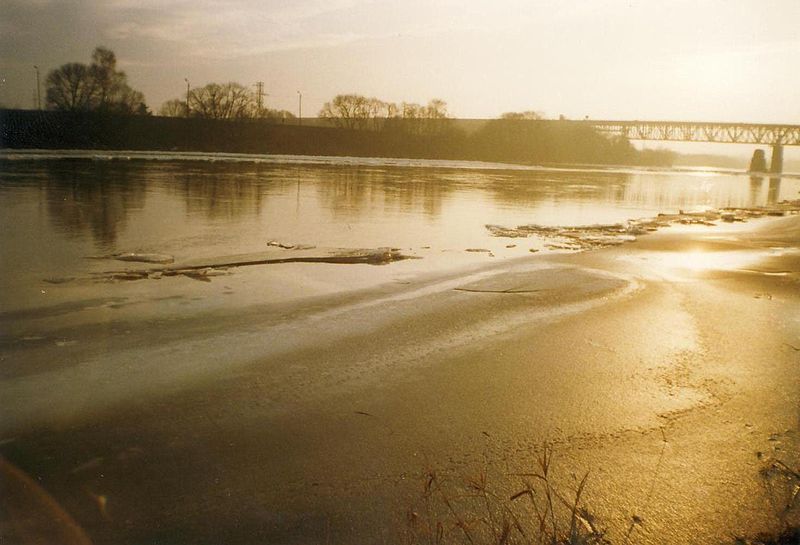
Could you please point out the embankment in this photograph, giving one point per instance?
(526, 142)
(32, 129)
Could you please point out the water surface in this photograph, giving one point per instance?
(59, 208)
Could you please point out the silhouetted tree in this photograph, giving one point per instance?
(410, 111)
(96, 87)
(173, 108)
(112, 90)
(348, 111)
(222, 101)
(430, 120)
(70, 87)
(359, 112)
(378, 112)
(437, 119)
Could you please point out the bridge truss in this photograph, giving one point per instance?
(690, 131)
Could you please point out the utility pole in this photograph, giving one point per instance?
(187, 96)
(38, 89)
(300, 108)
(260, 96)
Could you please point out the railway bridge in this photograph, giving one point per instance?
(773, 135)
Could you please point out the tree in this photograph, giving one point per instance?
(173, 108)
(432, 119)
(348, 111)
(108, 82)
(130, 102)
(96, 87)
(112, 89)
(378, 112)
(70, 88)
(359, 112)
(436, 115)
(222, 101)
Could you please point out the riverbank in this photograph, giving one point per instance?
(666, 367)
(527, 143)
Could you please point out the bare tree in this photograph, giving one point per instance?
(96, 87)
(392, 110)
(431, 119)
(109, 82)
(436, 109)
(222, 101)
(70, 88)
(129, 101)
(411, 110)
(359, 112)
(173, 108)
(437, 119)
(348, 111)
(380, 112)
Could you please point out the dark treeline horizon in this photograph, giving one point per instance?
(508, 139)
(92, 106)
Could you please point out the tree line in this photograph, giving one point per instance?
(101, 87)
(352, 111)
(418, 129)
(230, 100)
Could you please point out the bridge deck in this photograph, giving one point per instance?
(691, 131)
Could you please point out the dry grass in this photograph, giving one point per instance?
(537, 512)
(473, 512)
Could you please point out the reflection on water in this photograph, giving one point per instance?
(774, 190)
(773, 195)
(97, 199)
(56, 212)
(217, 192)
(349, 191)
(755, 186)
(703, 260)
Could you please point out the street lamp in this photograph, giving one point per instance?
(187, 96)
(38, 89)
(299, 108)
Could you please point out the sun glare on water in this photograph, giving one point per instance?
(699, 260)
(702, 261)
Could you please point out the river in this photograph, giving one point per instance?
(299, 402)
(61, 208)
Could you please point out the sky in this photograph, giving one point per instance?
(715, 60)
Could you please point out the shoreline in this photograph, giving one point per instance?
(30, 154)
(31, 338)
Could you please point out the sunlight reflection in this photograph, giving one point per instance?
(700, 260)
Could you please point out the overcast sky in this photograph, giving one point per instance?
(733, 60)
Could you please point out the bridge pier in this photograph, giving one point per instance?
(776, 164)
(758, 163)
